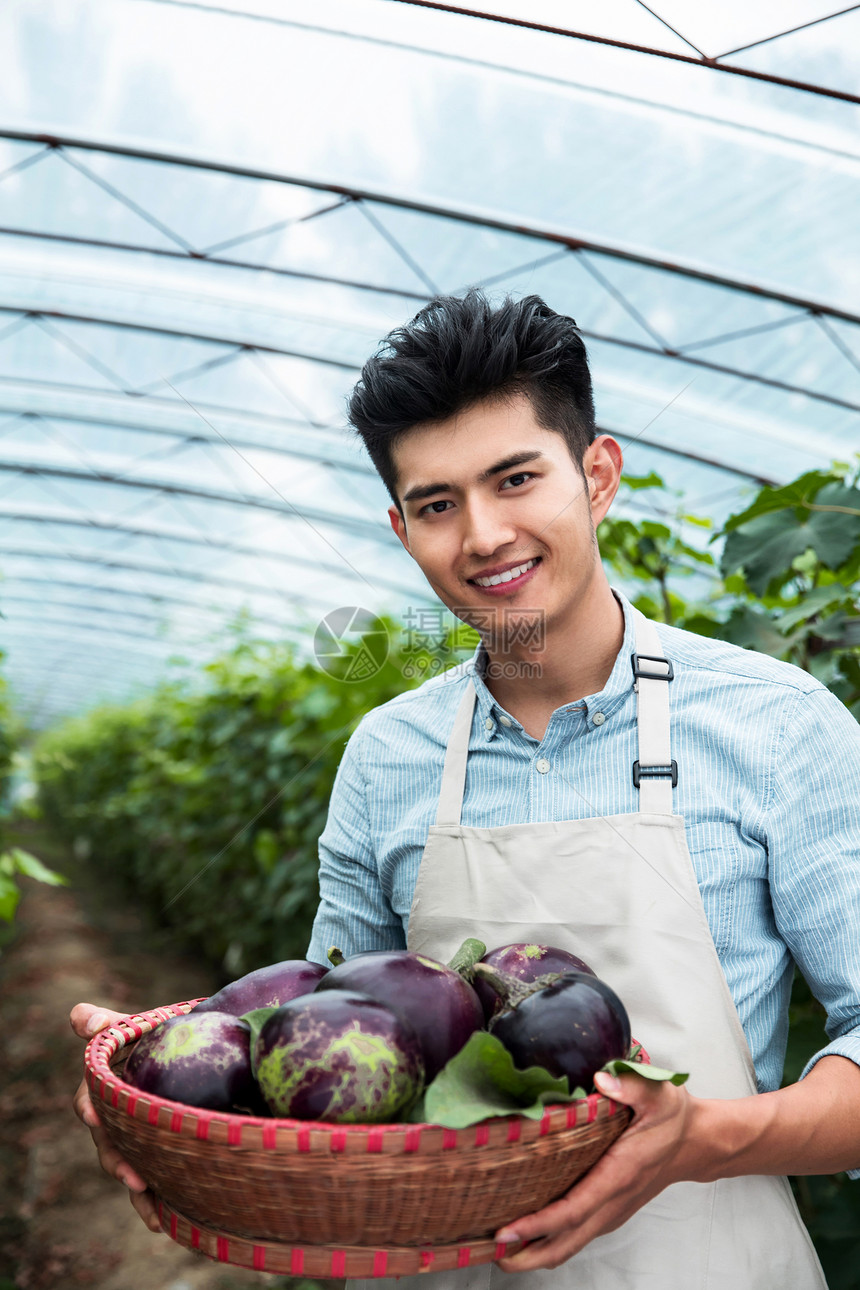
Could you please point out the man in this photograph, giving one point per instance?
(680, 813)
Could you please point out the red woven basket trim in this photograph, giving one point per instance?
(260, 1258)
(375, 1139)
(176, 1119)
(338, 1263)
(545, 1124)
(338, 1141)
(174, 1225)
(303, 1139)
(380, 1263)
(223, 1249)
(482, 1135)
(202, 1130)
(270, 1136)
(234, 1133)
(297, 1262)
(152, 1113)
(592, 1107)
(449, 1139)
(427, 1257)
(514, 1130)
(195, 1237)
(413, 1139)
(464, 1256)
(501, 1247)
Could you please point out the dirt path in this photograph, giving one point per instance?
(64, 1223)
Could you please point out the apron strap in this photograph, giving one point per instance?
(454, 771)
(655, 774)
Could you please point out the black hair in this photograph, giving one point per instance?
(460, 350)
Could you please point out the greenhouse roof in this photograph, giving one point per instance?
(211, 213)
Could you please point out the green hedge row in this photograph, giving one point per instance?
(208, 804)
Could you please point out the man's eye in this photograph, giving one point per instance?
(517, 480)
(436, 507)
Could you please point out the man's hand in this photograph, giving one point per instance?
(87, 1020)
(652, 1153)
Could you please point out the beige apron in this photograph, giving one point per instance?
(621, 892)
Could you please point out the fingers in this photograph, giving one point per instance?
(87, 1019)
(144, 1204)
(639, 1164)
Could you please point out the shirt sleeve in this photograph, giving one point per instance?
(354, 913)
(814, 855)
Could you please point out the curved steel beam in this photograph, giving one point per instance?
(312, 516)
(679, 356)
(305, 450)
(711, 64)
(74, 627)
(121, 611)
(482, 219)
(152, 329)
(167, 253)
(167, 410)
(223, 612)
(467, 60)
(188, 575)
(214, 543)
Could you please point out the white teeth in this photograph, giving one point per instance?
(507, 576)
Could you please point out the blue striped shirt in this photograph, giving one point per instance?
(769, 788)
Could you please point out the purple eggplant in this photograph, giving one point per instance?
(441, 1006)
(526, 963)
(268, 987)
(202, 1061)
(338, 1056)
(571, 1027)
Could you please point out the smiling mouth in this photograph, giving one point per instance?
(509, 575)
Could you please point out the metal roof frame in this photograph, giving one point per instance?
(540, 232)
(215, 543)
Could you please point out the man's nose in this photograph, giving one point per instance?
(486, 530)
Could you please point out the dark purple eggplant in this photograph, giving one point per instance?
(572, 1027)
(267, 987)
(441, 1006)
(338, 1056)
(202, 1061)
(526, 963)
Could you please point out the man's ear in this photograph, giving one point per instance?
(398, 523)
(602, 464)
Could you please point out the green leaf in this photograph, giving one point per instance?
(623, 1066)
(810, 605)
(651, 480)
(256, 1020)
(9, 897)
(31, 867)
(481, 1081)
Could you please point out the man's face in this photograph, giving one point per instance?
(499, 517)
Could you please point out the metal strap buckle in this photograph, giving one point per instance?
(638, 670)
(655, 772)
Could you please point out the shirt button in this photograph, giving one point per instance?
(489, 724)
(598, 718)
(542, 765)
(504, 721)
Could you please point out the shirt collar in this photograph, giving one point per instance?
(619, 685)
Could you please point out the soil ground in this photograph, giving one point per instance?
(63, 1223)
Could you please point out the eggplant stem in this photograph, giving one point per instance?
(467, 956)
(511, 990)
(335, 956)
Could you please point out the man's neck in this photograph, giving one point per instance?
(575, 660)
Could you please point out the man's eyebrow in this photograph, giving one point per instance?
(422, 491)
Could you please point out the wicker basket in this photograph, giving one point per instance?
(339, 1200)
